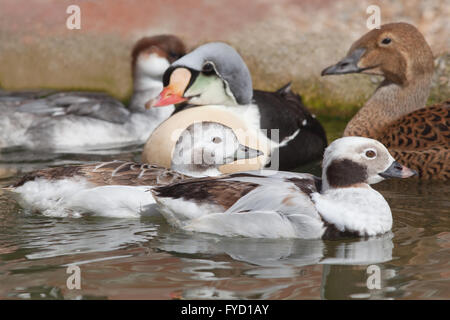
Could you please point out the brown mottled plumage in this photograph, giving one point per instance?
(110, 173)
(396, 115)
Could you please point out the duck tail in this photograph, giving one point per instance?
(287, 93)
(285, 89)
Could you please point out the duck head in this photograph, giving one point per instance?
(359, 162)
(397, 51)
(212, 74)
(204, 146)
(151, 56)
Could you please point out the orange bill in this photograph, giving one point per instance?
(173, 92)
(166, 97)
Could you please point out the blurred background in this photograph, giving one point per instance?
(280, 40)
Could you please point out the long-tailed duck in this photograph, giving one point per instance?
(119, 188)
(291, 205)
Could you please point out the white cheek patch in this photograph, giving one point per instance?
(377, 178)
(153, 64)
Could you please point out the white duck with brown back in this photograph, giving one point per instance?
(120, 188)
(269, 204)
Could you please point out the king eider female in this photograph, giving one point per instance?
(120, 188)
(85, 120)
(214, 75)
(396, 114)
(271, 204)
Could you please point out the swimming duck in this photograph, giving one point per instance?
(120, 188)
(291, 205)
(396, 114)
(215, 77)
(66, 120)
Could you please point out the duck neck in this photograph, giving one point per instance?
(145, 88)
(390, 102)
(327, 187)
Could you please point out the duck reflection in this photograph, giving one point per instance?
(344, 263)
(282, 252)
(48, 238)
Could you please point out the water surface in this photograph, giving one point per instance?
(148, 259)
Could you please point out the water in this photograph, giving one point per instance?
(148, 259)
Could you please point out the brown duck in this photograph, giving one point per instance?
(396, 115)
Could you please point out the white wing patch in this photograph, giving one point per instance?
(288, 139)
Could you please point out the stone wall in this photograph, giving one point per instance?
(281, 40)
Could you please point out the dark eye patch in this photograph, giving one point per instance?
(344, 173)
(386, 41)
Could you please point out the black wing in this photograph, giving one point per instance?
(285, 109)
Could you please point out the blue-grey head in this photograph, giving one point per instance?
(212, 74)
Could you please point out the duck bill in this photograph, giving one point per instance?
(347, 65)
(167, 97)
(396, 170)
(244, 152)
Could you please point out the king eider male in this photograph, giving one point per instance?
(215, 75)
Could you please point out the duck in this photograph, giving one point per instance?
(396, 114)
(72, 121)
(281, 204)
(214, 77)
(120, 188)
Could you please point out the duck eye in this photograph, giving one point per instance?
(216, 140)
(371, 154)
(208, 68)
(173, 55)
(386, 41)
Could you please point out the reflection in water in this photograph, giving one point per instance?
(271, 259)
(63, 239)
(55, 237)
(280, 253)
(148, 259)
(343, 281)
(216, 294)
